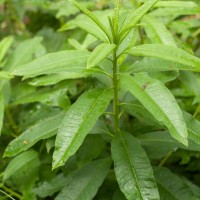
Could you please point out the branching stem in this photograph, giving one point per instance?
(115, 87)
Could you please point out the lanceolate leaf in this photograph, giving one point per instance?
(167, 52)
(173, 186)
(173, 4)
(133, 169)
(45, 129)
(133, 19)
(157, 32)
(4, 46)
(78, 121)
(100, 53)
(193, 126)
(63, 61)
(159, 101)
(91, 16)
(19, 162)
(86, 181)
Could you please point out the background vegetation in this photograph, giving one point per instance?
(32, 108)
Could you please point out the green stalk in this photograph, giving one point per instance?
(115, 88)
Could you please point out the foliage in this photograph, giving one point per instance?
(100, 100)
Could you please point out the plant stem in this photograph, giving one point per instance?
(165, 158)
(115, 88)
(11, 192)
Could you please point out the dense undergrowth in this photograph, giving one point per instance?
(100, 100)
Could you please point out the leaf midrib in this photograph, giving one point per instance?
(82, 123)
(158, 106)
(56, 62)
(133, 171)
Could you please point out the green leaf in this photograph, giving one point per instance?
(157, 32)
(191, 81)
(46, 189)
(78, 121)
(52, 79)
(19, 162)
(193, 126)
(161, 142)
(133, 19)
(42, 130)
(64, 61)
(4, 75)
(4, 46)
(172, 186)
(86, 181)
(167, 52)
(159, 101)
(175, 12)
(156, 64)
(100, 53)
(133, 169)
(92, 17)
(87, 25)
(176, 4)
(25, 52)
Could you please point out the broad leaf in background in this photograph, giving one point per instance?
(42, 130)
(175, 12)
(52, 79)
(78, 121)
(64, 61)
(25, 52)
(157, 31)
(99, 54)
(133, 169)
(88, 25)
(173, 3)
(159, 101)
(156, 64)
(4, 46)
(134, 18)
(188, 61)
(46, 189)
(86, 181)
(192, 82)
(193, 126)
(158, 144)
(173, 187)
(93, 17)
(19, 162)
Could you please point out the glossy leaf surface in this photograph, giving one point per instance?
(78, 121)
(64, 61)
(42, 130)
(159, 101)
(165, 52)
(132, 168)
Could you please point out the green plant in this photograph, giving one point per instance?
(134, 120)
